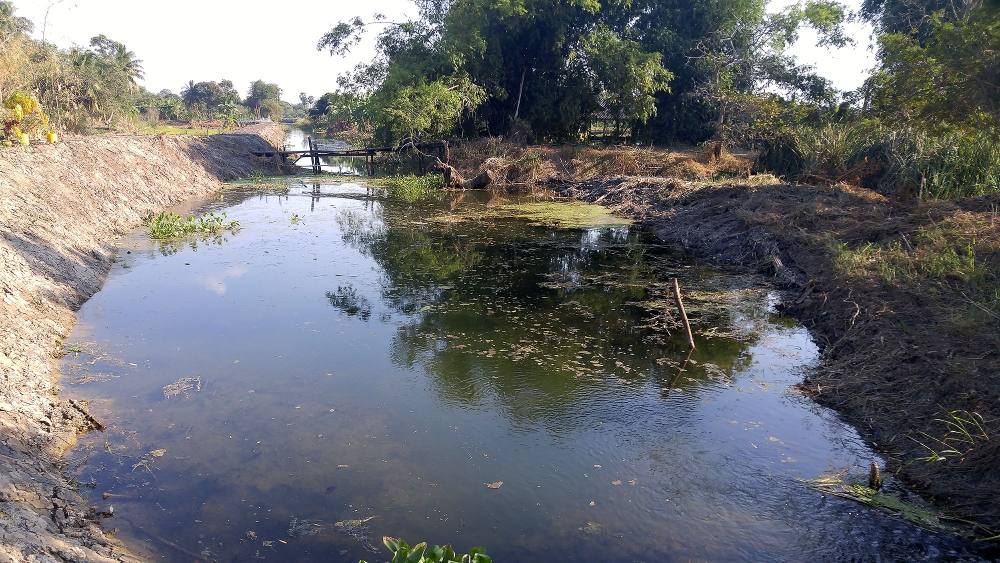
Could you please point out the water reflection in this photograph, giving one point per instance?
(366, 370)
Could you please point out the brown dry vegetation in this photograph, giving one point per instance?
(903, 297)
(523, 168)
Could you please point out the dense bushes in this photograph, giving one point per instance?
(904, 161)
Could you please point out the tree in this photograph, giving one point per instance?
(263, 99)
(551, 66)
(427, 110)
(916, 18)
(941, 73)
(10, 24)
(628, 77)
(118, 56)
(210, 99)
(339, 111)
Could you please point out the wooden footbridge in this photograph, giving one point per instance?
(318, 150)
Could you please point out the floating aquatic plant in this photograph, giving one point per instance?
(167, 226)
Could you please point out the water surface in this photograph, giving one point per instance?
(354, 367)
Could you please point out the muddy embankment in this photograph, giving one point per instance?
(62, 208)
(910, 351)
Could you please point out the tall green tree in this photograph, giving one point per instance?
(667, 68)
(941, 71)
(628, 78)
(264, 99)
(210, 99)
(12, 25)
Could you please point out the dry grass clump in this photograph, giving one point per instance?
(515, 167)
(522, 168)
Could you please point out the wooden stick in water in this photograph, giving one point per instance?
(684, 317)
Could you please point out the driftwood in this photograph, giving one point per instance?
(684, 317)
(82, 409)
(453, 179)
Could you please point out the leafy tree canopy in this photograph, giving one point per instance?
(660, 68)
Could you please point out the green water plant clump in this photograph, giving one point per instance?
(422, 553)
(168, 226)
(410, 188)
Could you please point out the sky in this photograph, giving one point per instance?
(246, 40)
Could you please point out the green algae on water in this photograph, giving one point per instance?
(557, 214)
(569, 215)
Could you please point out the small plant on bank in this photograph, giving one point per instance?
(964, 432)
(422, 553)
(167, 226)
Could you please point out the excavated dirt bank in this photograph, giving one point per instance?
(910, 334)
(62, 209)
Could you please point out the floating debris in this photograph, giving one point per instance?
(98, 377)
(184, 386)
(300, 528)
(357, 529)
(148, 458)
(910, 511)
(494, 485)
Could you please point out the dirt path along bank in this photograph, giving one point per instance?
(62, 207)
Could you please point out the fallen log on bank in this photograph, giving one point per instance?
(453, 179)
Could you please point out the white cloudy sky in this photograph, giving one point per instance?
(244, 40)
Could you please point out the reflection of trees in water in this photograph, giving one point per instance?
(415, 264)
(539, 319)
(348, 300)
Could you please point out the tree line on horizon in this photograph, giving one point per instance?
(97, 87)
(689, 71)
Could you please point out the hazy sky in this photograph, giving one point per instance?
(183, 40)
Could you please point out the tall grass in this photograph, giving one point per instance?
(890, 160)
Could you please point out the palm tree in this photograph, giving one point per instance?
(128, 62)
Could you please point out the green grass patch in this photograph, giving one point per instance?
(939, 258)
(410, 188)
(893, 262)
(171, 226)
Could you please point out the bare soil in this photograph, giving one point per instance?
(62, 209)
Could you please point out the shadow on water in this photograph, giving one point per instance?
(355, 367)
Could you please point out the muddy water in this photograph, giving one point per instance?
(351, 368)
